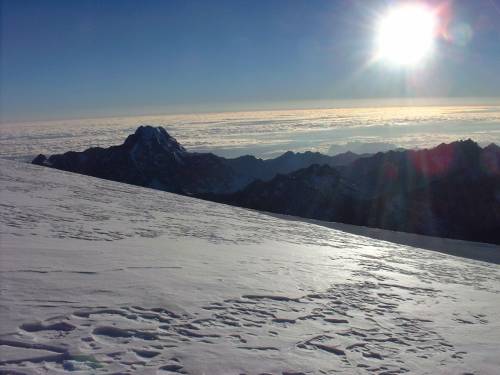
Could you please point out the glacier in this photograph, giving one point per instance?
(102, 277)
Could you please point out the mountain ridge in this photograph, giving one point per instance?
(152, 158)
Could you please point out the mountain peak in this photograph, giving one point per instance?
(150, 131)
(492, 147)
(154, 137)
(287, 154)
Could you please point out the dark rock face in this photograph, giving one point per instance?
(314, 192)
(151, 157)
(452, 191)
(399, 171)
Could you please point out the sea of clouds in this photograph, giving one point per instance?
(267, 133)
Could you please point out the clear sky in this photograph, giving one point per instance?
(93, 57)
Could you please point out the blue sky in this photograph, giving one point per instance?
(88, 58)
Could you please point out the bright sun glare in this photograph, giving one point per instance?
(405, 35)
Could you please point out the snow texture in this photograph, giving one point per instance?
(101, 277)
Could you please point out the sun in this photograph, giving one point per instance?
(405, 35)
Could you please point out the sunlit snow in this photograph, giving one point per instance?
(101, 277)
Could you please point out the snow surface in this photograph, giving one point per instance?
(102, 277)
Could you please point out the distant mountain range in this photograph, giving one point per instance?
(452, 190)
(362, 147)
(152, 158)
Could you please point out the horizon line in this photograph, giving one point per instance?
(298, 105)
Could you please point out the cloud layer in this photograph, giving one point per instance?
(266, 133)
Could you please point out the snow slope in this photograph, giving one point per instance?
(101, 277)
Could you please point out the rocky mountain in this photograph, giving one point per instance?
(407, 170)
(314, 192)
(452, 190)
(152, 158)
(287, 163)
